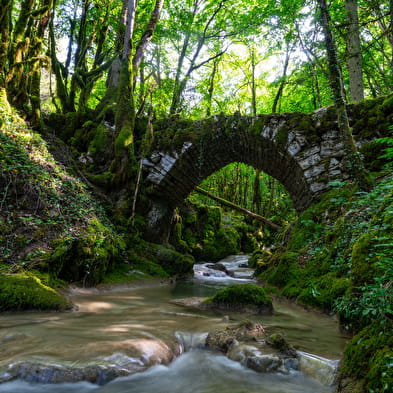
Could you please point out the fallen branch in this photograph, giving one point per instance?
(236, 207)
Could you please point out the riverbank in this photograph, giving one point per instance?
(337, 257)
(113, 324)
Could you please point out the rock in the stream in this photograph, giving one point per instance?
(136, 355)
(249, 298)
(248, 344)
(51, 373)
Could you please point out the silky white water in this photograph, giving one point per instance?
(107, 319)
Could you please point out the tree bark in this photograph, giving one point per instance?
(283, 79)
(211, 89)
(5, 33)
(240, 209)
(356, 167)
(354, 53)
(36, 62)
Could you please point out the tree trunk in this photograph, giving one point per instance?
(5, 33)
(356, 167)
(61, 83)
(283, 79)
(211, 89)
(16, 80)
(36, 59)
(253, 84)
(176, 96)
(256, 195)
(354, 53)
(240, 209)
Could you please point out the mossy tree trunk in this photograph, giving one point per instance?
(354, 53)
(5, 32)
(124, 162)
(37, 60)
(76, 77)
(356, 167)
(18, 49)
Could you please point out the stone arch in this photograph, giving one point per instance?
(177, 173)
(302, 151)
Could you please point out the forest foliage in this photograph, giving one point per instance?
(97, 74)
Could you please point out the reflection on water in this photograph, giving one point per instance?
(107, 321)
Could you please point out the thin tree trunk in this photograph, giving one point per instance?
(180, 84)
(283, 79)
(253, 84)
(211, 89)
(148, 34)
(318, 103)
(177, 88)
(256, 195)
(61, 87)
(354, 61)
(36, 63)
(240, 209)
(356, 167)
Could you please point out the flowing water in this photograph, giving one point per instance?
(108, 320)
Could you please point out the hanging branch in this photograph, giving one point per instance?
(240, 209)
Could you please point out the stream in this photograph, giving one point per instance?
(109, 322)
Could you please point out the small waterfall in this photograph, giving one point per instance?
(188, 340)
(322, 369)
(227, 271)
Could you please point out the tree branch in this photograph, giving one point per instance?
(236, 207)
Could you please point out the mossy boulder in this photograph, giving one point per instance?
(259, 259)
(282, 269)
(245, 331)
(226, 241)
(241, 297)
(323, 291)
(368, 358)
(199, 231)
(173, 262)
(86, 258)
(27, 292)
(363, 268)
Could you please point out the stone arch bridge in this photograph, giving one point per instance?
(302, 151)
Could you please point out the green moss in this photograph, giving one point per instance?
(173, 262)
(27, 292)
(363, 269)
(369, 355)
(387, 105)
(283, 269)
(259, 259)
(281, 137)
(380, 376)
(124, 140)
(322, 292)
(224, 242)
(87, 258)
(239, 296)
(100, 142)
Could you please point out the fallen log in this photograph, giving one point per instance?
(240, 209)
